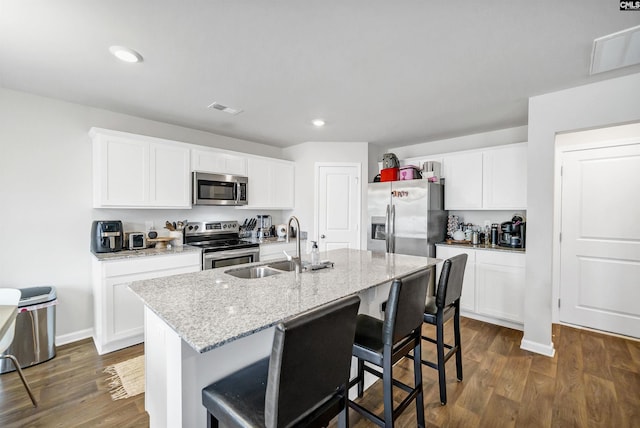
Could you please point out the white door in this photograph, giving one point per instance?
(338, 206)
(600, 245)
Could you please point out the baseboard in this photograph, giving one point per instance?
(74, 337)
(538, 348)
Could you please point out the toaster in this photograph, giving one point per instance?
(137, 241)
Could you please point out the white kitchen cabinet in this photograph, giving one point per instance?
(273, 250)
(218, 162)
(493, 287)
(271, 183)
(118, 313)
(463, 181)
(468, 298)
(504, 178)
(134, 171)
(489, 179)
(500, 283)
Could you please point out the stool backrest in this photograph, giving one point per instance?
(450, 283)
(310, 360)
(405, 307)
(9, 297)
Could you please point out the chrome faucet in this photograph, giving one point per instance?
(298, 258)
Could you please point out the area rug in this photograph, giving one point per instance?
(126, 379)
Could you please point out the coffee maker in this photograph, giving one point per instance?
(513, 233)
(106, 236)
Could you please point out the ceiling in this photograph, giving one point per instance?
(385, 72)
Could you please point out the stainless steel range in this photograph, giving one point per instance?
(220, 243)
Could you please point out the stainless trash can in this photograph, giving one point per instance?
(34, 341)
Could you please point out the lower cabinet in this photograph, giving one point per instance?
(274, 250)
(118, 313)
(468, 298)
(493, 288)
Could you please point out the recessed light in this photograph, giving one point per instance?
(318, 122)
(125, 54)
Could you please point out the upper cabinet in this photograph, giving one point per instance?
(463, 181)
(218, 162)
(271, 183)
(491, 179)
(134, 171)
(504, 177)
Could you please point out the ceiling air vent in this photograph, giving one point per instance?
(616, 50)
(224, 108)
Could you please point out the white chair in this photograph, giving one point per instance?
(11, 297)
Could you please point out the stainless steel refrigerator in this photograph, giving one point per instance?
(406, 217)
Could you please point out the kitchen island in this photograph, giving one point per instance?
(202, 326)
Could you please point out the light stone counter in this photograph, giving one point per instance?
(211, 308)
(128, 254)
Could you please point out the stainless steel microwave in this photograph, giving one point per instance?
(219, 189)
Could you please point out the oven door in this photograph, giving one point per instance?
(219, 189)
(224, 258)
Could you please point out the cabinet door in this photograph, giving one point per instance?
(463, 181)
(218, 162)
(505, 177)
(282, 185)
(121, 172)
(468, 298)
(169, 184)
(271, 183)
(274, 251)
(500, 280)
(259, 184)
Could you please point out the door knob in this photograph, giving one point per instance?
(321, 236)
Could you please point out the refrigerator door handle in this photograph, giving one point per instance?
(393, 228)
(387, 229)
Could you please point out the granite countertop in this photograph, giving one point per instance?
(128, 254)
(210, 308)
(481, 247)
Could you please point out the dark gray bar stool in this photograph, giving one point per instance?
(438, 310)
(383, 343)
(302, 384)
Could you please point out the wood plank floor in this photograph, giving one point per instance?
(593, 381)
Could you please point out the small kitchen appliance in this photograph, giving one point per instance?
(106, 236)
(137, 241)
(264, 226)
(512, 233)
(221, 244)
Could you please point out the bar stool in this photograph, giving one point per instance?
(439, 309)
(304, 381)
(383, 343)
(9, 300)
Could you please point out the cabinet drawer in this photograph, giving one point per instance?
(501, 258)
(150, 264)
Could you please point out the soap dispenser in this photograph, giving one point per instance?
(315, 254)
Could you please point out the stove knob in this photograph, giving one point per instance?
(196, 227)
(190, 227)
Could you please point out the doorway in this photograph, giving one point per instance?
(338, 201)
(599, 239)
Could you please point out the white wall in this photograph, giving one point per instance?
(601, 104)
(467, 142)
(306, 155)
(45, 196)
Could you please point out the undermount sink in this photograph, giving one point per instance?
(252, 272)
(285, 265)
